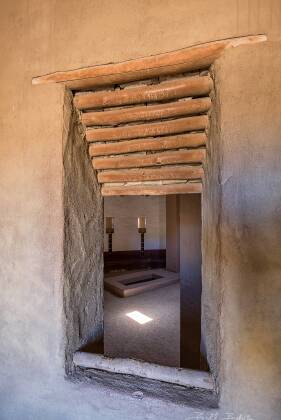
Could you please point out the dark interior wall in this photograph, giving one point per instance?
(172, 233)
(190, 280)
(248, 86)
(83, 239)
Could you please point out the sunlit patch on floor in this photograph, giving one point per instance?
(139, 317)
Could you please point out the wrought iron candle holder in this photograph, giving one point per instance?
(142, 231)
(109, 228)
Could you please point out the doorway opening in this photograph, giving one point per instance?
(142, 297)
(85, 236)
(152, 279)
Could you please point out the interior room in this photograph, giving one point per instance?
(143, 287)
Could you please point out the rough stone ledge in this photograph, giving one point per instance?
(185, 386)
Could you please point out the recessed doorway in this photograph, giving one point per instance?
(147, 278)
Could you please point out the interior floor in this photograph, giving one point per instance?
(156, 341)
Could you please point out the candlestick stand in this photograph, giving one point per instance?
(110, 243)
(142, 231)
(109, 230)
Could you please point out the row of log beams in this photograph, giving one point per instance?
(151, 174)
(147, 113)
(179, 125)
(131, 158)
(175, 62)
(119, 174)
(151, 144)
(168, 90)
(164, 189)
(153, 159)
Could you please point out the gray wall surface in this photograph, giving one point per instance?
(42, 37)
(246, 231)
(83, 240)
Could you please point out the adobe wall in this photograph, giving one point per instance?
(248, 85)
(83, 240)
(41, 37)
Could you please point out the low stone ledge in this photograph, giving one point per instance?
(184, 386)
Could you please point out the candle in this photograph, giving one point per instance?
(109, 224)
(141, 222)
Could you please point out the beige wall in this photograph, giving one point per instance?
(250, 231)
(41, 37)
(241, 224)
(125, 211)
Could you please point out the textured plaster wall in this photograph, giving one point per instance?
(125, 211)
(41, 37)
(247, 242)
(211, 244)
(83, 239)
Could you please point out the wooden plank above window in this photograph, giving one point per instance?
(146, 120)
(185, 60)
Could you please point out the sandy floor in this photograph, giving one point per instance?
(157, 341)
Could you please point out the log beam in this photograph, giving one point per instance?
(180, 188)
(152, 144)
(175, 62)
(147, 113)
(178, 88)
(151, 174)
(155, 159)
(180, 125)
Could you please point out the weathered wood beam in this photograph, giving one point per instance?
(187, 59)
(178, 88)
(184, 188)
(154, 159)
(152, 144)
(147, 113)
(151, 174)
(180, 125)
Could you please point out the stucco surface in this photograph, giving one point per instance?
(83, 239)
(41, 37)
(211, 245)
(248, 92)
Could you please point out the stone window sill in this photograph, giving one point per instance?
(182, 385)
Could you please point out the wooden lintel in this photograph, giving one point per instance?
(187, 59)
(151, 144)
(180, 188)
(173, 89)
(180, 125)
(155, 159)
(147, 113)
(151, 174)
